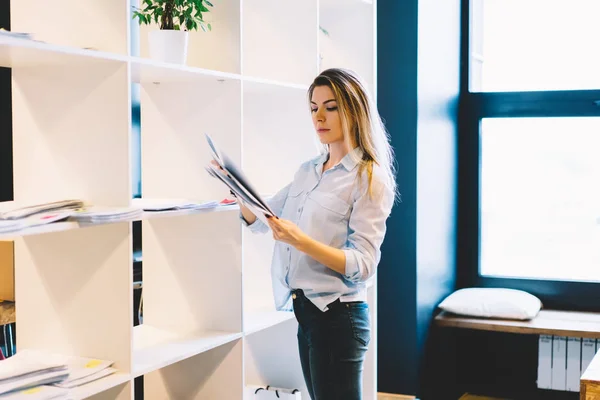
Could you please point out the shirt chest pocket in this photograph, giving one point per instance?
(328, 205)
(327, 214)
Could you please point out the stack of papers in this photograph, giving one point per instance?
(26, 370)
(37, 393)
(10, 226)
(29, 372)
(15, 216)
(95, 214)
(11, 210)
(18, 35)
(237, 182)
(172, 204)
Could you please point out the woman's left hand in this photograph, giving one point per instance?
(286, 231)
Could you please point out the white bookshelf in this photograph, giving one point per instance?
(210, 328)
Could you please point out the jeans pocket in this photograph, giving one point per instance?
(360, 321)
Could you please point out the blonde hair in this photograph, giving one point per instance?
(361, 124)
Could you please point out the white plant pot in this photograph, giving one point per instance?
(168, 45)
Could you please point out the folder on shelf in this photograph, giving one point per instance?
(573, 363)
(559, 363)
(237, 182)
(588, 351)
(544, 375)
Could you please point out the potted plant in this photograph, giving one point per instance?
(175, 19)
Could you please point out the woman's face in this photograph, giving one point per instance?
(325, 115)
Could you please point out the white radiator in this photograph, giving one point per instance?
(562, 360)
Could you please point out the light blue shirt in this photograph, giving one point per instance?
(333, 209)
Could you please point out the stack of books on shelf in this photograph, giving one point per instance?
(42, 375)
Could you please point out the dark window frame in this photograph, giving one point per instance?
(473, 107)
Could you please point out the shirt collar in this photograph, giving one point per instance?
(349, 161)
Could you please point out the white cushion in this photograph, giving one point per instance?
(492, 303)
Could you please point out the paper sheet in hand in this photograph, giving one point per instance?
(238, 182)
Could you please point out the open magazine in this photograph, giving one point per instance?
(237, 182)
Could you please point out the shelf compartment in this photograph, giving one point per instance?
(156, 348)
(285, 139)
(97, 24)
(76, 287)
(271, 358)
(256, 321)
(350, 42)
(212, 374)
(192, 273)
(280, 40)
(174, 121)
(63, 120)
(218, 49)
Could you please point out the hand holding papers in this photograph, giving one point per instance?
(228, 173)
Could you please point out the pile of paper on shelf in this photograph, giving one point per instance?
(233, 177)
(96, 214)
(15, 216)
(29, 371)
(158, 205)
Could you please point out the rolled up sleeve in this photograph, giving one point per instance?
(367, 228)
(276, 204)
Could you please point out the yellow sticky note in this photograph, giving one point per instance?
(93, 363)
(33, 390)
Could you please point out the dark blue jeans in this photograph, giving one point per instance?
(332, 347)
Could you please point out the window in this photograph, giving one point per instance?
(540, 198)
(529, 148)
(523, 45)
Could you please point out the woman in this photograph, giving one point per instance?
(329, 228)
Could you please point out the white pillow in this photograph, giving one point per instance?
(492, 303)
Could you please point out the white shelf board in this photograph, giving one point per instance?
(343, 4)
(70, 225)
(17, 52)
(144, 70)
(156, 348)
(256, 321)
(98, 386)
(177, 213)
(273, 83)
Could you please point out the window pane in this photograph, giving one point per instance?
(540, 198)
(523, 45)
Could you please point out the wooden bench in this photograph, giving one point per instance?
(547, 322)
